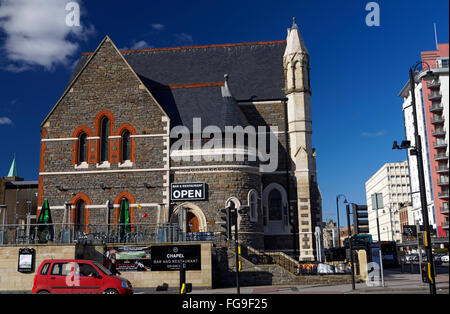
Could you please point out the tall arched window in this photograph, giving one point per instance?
(80, 216)
(104, 140)
(253, 205)
(275, 205)
(82, 148)
(126, 146)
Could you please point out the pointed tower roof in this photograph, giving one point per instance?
(13, 170)
(294, 41)
(232, 115)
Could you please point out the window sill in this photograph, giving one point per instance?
(104, 164)
(126, 164)
(83, 165)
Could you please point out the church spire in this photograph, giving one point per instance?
(13, 170)
(294, 41)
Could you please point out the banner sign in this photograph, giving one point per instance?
(170, 257)
(188, 192)
(26, 260)
(130, 258)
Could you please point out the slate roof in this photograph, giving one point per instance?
(187, 81)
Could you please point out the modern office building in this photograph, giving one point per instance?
(392, 182)
(432, 107)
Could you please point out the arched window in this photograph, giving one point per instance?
(275, 205)
(104, 140)
(82, 148)
(275, 213)
(253, 205)
(80, 216)
(126, 146)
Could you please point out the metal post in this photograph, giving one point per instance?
(423, 195)
(237, 248)
(379, 242)
(419, 250)
(350, 246)
(338, 224)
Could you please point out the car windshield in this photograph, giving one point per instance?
(103, 269)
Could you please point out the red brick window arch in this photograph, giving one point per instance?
(80, 212)
(104, 125)
(81, 147)
(129, 197)
(127, 143)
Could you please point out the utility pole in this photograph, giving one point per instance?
(350, 246)
(423, 196)
(380, 254)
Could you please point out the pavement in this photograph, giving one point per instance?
(395, 282)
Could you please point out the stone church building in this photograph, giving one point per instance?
(108, 139)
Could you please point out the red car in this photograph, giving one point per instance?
(78, 277)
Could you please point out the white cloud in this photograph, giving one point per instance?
(184, 38)
(375, 134)
(158, 26)
(37, 34)
(142, 44)
(5, 121)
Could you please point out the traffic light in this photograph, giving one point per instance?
(226, 217)
(360, 218)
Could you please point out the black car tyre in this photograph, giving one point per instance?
(111, 291)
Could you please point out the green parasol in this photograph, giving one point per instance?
(45, 224)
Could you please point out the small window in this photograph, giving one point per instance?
(45, 268)
(87, 270)
(104, 140)
(126, 146)
(82, 148)
(61, 269)
(253, 205)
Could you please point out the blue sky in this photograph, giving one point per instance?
(357, 71)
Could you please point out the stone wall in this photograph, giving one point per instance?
(12, 280)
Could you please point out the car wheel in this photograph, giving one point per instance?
(111, 291)
(43, 292)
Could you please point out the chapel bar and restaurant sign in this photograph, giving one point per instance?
(189, 191)
(170, 257)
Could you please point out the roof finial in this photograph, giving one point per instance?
(294, 23)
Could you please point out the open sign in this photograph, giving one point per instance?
(188, 192)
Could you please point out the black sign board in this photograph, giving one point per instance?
(188, 192)
(411, 230)
(26, 261)
(170, 257)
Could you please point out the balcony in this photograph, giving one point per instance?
(444, 225)
(442, 182)
(440, 144)
(434, 84)
(437, 119)
(442, 168)
(443, 194)
(438, 132)
(443, 210)
(440, 157)
(435, 96)
(436, 108)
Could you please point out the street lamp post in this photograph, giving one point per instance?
(338, 224)
(417, 151)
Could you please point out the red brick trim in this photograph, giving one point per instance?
(117, 201)
(77, 133)
(258, 43)
(126, 127)
(98, 127)
(178, 86)
(87, 201)
(41, 169)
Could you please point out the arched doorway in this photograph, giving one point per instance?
(192, 222)
(195, 218)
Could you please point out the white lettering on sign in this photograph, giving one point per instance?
(179, 255)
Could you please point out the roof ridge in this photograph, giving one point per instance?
(197, 47)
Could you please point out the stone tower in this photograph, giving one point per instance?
(298, 93)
